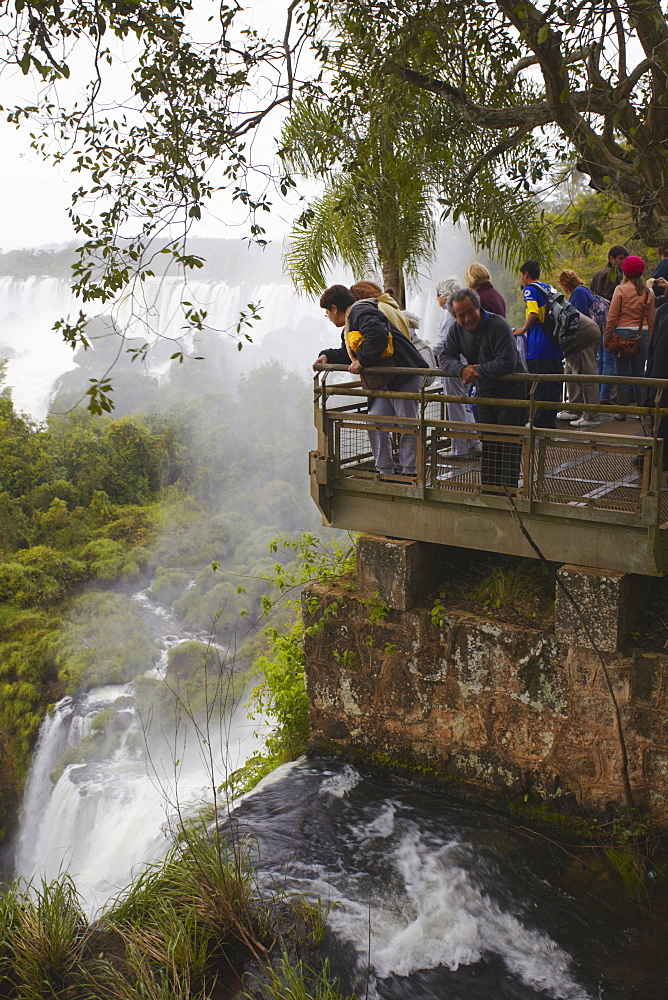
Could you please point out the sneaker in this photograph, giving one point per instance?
(585, 422)
(620, 416)
(637, 460)
(564, 415)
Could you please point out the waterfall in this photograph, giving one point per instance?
(291, 328)
(106, 787)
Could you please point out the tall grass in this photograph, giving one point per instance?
(292, 980)
(206, 881)
(43, 933)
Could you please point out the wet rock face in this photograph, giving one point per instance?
(504, 707)
(609, 605)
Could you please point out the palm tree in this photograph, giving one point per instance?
(378, 205)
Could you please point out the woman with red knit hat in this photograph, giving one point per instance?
(631, 320)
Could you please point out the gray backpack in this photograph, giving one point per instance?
(425, 350)
(561, 318)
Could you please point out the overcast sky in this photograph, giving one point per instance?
(36, 195)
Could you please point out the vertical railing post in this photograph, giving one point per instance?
(532, 440)
(422, 446)
(657, 456)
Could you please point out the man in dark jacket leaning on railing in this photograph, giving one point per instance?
(369, 340)
(487, 342)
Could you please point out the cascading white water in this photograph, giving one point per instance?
(109, 811)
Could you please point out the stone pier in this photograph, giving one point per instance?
(504, 709)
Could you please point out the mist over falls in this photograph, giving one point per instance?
(35, 292)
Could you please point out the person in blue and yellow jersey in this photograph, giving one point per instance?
(367, 337)
(544, 357)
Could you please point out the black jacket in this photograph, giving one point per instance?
(492, 348)
(375, 327)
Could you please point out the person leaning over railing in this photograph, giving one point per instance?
(369, 340)
(386, 303)
(462, 447)
(487, 343)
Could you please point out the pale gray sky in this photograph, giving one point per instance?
(36, 195)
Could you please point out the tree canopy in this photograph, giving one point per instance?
(378, 205)
(496, 99)
(520, 91)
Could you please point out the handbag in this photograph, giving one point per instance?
(627, 347)
(624, 347)
(372, 380)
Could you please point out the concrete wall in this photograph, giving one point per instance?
(508, 709)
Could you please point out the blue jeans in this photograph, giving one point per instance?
(634, 367)
(606, 364)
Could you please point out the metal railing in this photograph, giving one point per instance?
(612, 473)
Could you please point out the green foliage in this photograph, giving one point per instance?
(206, 879)
(223, 488)
(104, 641)
(321, 558)
(109, 560)
(282, 696)
(39, 574)
(526, 588)
(378, 206)
(293, 980)
(168, 584)
(588, 224)
(502, 585)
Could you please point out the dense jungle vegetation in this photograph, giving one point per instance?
(94, 507)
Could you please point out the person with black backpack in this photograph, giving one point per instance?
(544, 354)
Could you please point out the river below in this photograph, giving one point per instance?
(438, 900)
(429, 898)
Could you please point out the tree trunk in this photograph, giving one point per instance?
(392, 280)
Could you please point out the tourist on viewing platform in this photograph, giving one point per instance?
(369, 339)
(485, 342)
(660, 271)
(661, 307)
(631, 320)
(606, 280)
(479, 279)
(657, 367)
(461, 447)
(581, 358)
(387, 305)
(544, 357)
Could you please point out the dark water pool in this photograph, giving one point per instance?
(435, 899)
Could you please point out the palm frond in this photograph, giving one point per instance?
(333, 229)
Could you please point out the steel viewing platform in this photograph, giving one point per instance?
(579, 494)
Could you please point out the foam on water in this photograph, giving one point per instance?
(431, 913)
(408, 894)
(340, 784)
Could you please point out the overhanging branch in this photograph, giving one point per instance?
(501, 147)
